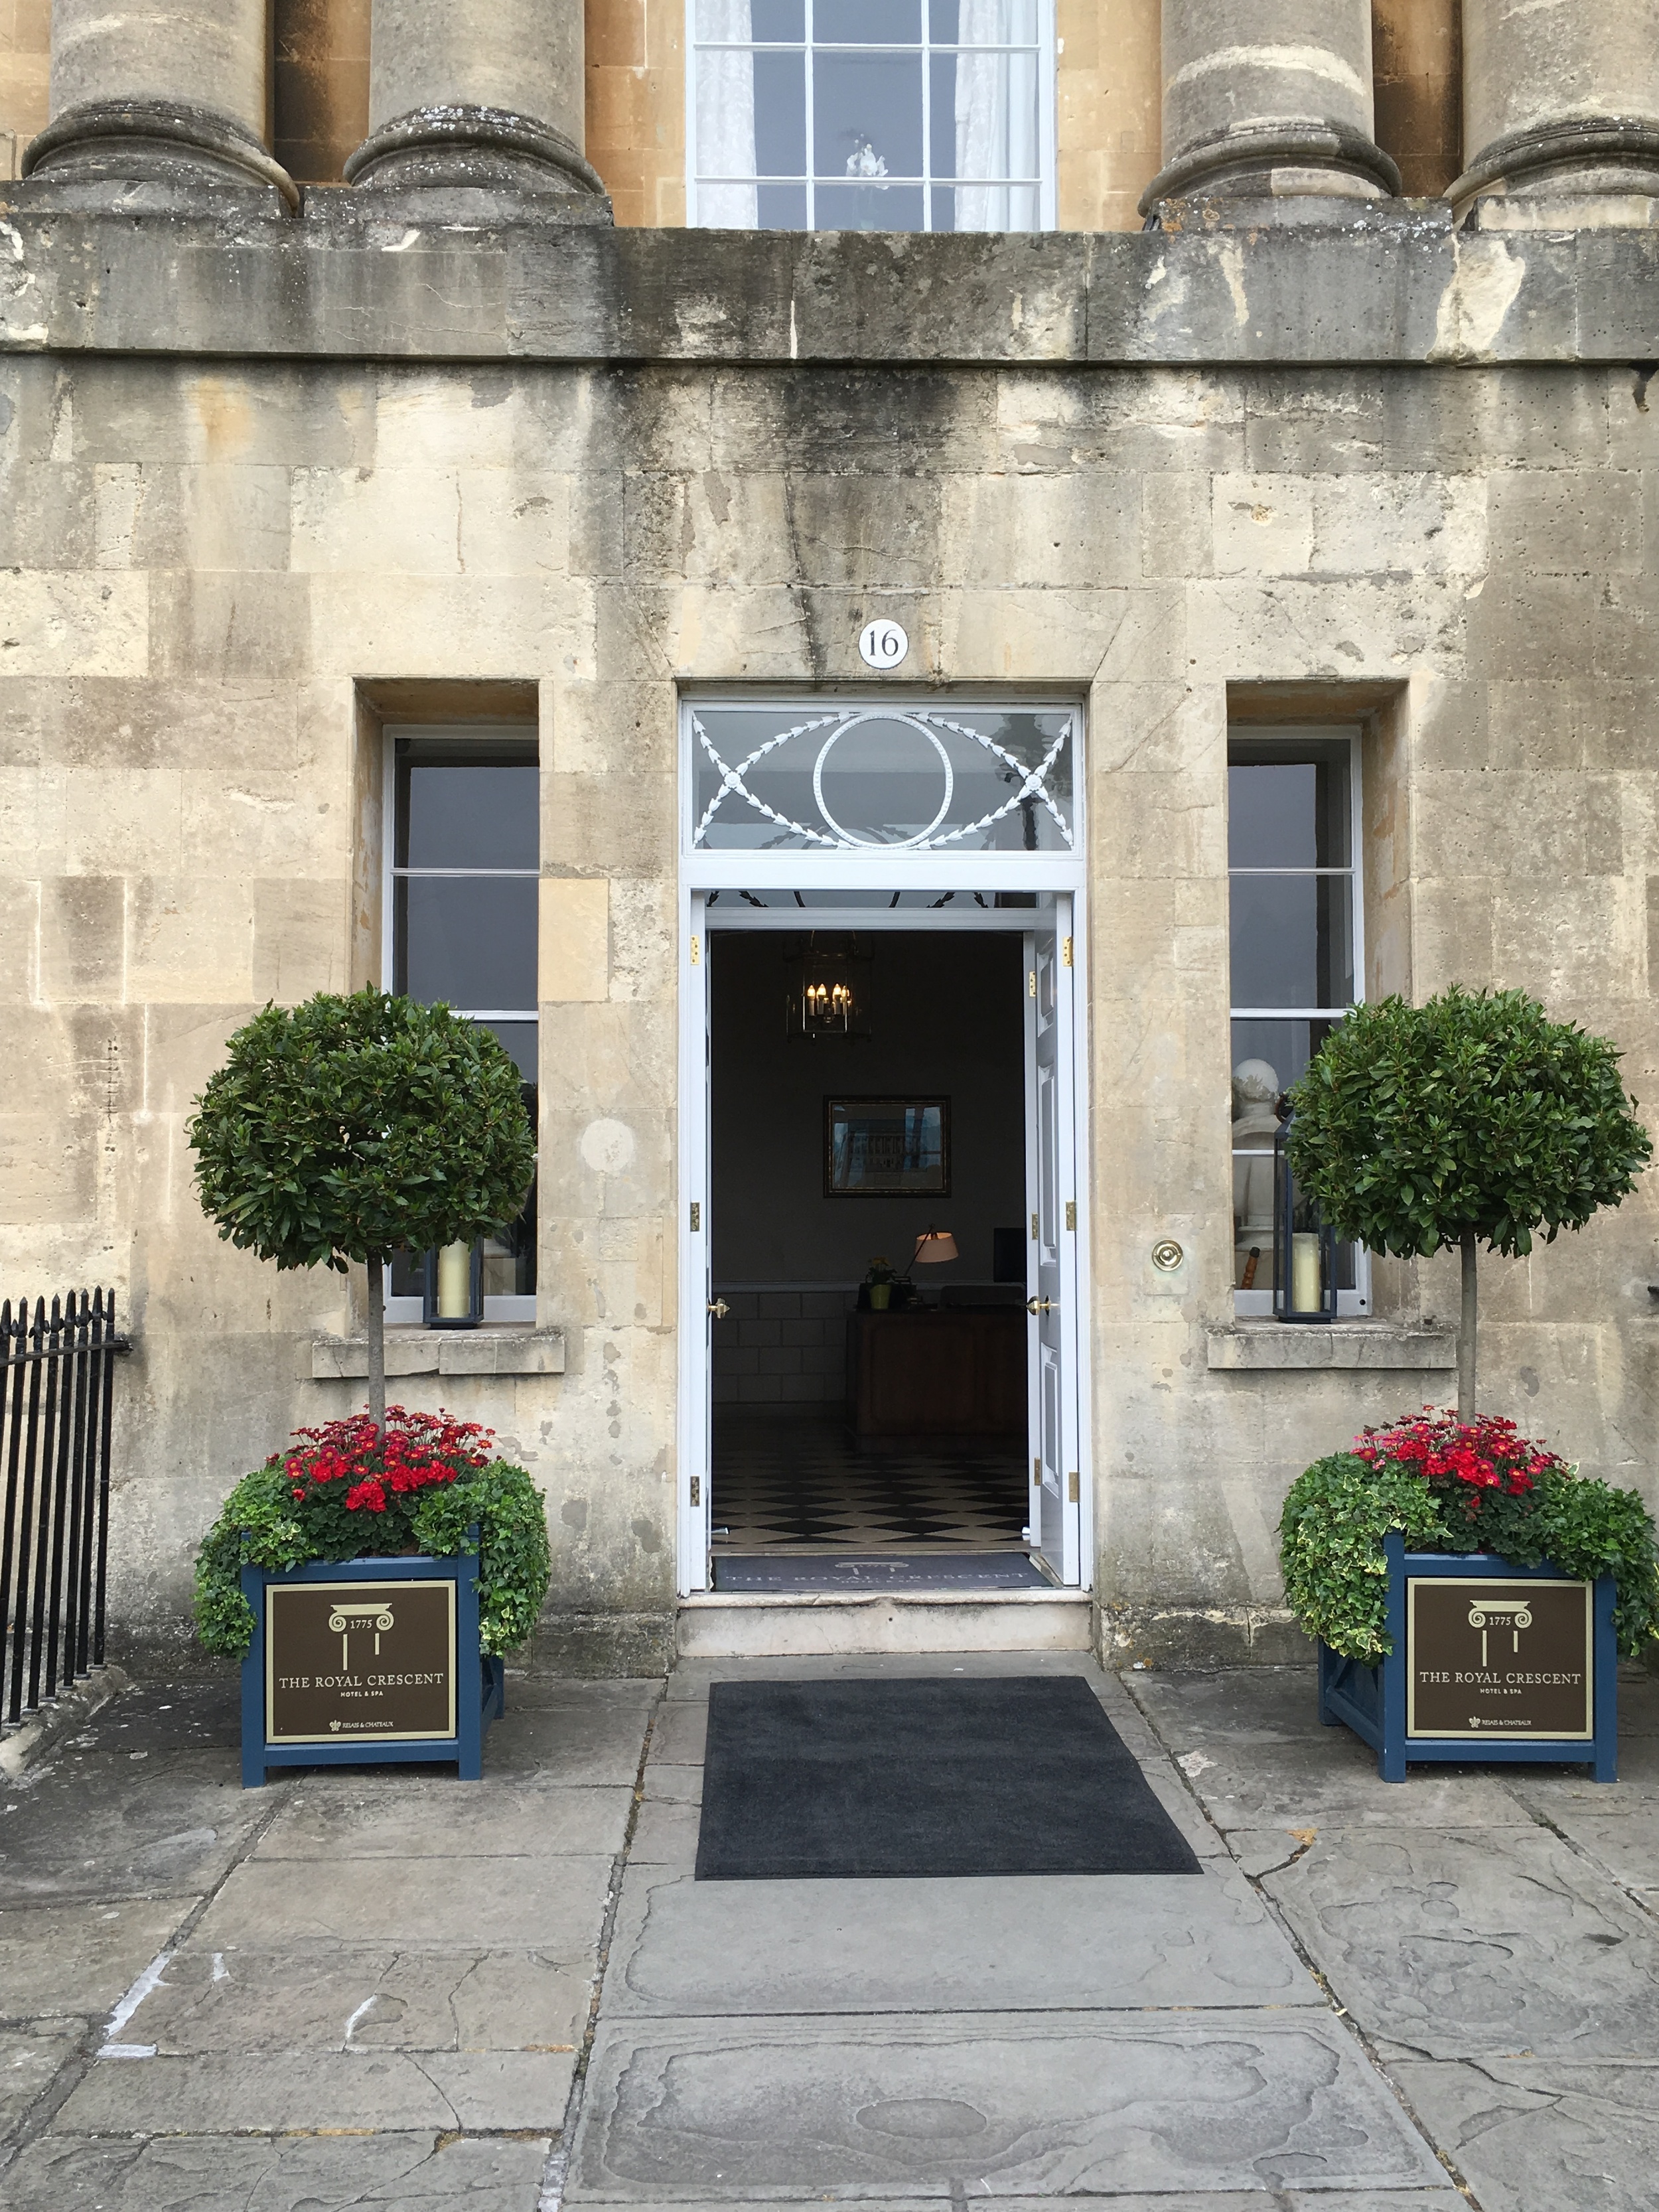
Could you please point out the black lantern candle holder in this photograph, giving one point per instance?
(452, 1271)
(1304, 1245)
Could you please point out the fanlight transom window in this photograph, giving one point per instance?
(890, 779)
(870, 114)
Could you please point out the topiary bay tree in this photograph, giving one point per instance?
(343, 1128)
(1472, 1120)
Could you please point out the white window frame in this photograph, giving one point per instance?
(1048, 111)
(1253, 1304)
(518, 1306)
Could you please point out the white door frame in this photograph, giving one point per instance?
(880, 873)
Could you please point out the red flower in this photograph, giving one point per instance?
(1488, 1454)
(417, 1450)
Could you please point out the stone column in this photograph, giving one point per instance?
(1562, 98)
(480, 95)
(1268, 99)
(173, 93)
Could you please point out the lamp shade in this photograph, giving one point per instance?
(935, 1244)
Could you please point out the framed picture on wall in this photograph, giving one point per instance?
(887, 1148)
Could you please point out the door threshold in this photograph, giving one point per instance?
(738, 1624)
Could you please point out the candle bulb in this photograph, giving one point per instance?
(454, 1282)
(1306, 1288)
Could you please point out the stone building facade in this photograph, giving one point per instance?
(360, 374)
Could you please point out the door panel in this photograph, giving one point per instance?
(1052, 1275)
(697, 1289)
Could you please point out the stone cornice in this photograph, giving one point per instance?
(364, 277)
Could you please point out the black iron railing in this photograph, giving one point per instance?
(57, 1394)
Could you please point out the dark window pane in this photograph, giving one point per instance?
(874, 22)
(774, 19)
(866, 120)
(781, 115)
(520, 1038)
(470, 940)
(1287, 814)
(866, 207)
(943, 17)
(482, 816)
(942, 89)
(780, 207)
(1291, 942)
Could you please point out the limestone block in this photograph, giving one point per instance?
(497, 1349)
(1400, 523)
(298, 938)
(396, 520)
(644, 915)
(208, 622)
(514, 522)
(59, 623)
(706, 530)
(572, 960)
(48, 516)
(33, 831)
(219, 515)
(190, 939)
(852, 533)
(1072, 531)
(1352, 627)
(460, 627)
(82, 938)
(487, 420)
(1263, 526)
(1247, 1348)
(47, 1165)
(232, 726)
(1567, 521)
(600, 726)
(1177, 536)
(120, 822)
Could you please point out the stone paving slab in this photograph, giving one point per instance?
(1460, 1945)
(239, 2092)
(1229, 2200)
(1074, 2104)
(80, 1958)
(385, 2173)
(432, 1818)
(682, 1946)
(571, 1732)
(173, 1822)
(358, 1999)
(1539, 2136)
(466, 1903)
(28, 2066)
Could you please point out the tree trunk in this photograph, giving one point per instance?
(377, 1342)
(1466, 1333)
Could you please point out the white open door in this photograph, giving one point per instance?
(1052, 1275)
(697, 1289)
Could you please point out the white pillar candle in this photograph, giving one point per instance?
(1305, 1287)
(454, 1282)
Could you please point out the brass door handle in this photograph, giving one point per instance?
(1040, 1306)
(719, 1308)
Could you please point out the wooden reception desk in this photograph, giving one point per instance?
(955, 1371)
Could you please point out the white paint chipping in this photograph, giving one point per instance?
(1193, 1764)
(150, 1979)
(362, 2011)
(221, 1972)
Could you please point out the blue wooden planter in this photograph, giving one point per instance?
(409, 1682)
(1379, 1703)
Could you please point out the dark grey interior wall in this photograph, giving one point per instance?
(945, 1016)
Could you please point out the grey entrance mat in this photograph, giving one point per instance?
(778, 1572)
(1016, 1775)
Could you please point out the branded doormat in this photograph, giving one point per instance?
(934, 1775)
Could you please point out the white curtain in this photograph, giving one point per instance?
(726, 119)
(996, 118)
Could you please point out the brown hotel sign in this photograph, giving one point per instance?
(367, 1660)
(1485, 1658)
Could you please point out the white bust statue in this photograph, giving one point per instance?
(1256, 1124)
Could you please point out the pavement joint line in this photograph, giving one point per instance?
(1541, 1820)
(1338, 2011)
(555, 2172)
(74, 2071)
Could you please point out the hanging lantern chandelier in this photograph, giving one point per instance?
(829, 991)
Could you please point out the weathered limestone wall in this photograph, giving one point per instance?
(321, 85)
(1417, 70)
(213, 563)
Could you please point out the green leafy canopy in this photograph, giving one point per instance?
(348, 1127)
(1475, 1111)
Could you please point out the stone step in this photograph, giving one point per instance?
(720, 1624)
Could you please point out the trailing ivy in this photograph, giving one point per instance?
(347, 1491)
(1458, 1490)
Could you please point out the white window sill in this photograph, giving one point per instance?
(498, 1348)
(1253, 1347)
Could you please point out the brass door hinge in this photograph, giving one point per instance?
(1034, 1232)
(696, 951)
(696, 1216)
(696, 1489)
(1031, 984)
(1073, 1490)
(1036, 1471)
(1071, 1213)
(1065, 952)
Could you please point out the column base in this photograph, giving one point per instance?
(485, 155)
(1595, 154)
(165, 143)
(1274, 161)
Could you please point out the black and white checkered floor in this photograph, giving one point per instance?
(784, 1484)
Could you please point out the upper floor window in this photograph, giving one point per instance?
(871, 114)
(1293, 857)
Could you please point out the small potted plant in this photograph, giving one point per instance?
(336, 1132)
(878, 1285)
